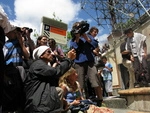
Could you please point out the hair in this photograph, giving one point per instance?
(128, 30)
(104, 57)
(92, 29)
(64, 79)
(39, 38)
(53, 41)
(75, 25)
(2, 37)
(74, 28)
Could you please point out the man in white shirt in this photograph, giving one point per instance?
(136, 43)
(126, 61)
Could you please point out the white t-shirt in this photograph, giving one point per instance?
(135, 45)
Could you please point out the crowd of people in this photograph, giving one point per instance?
(40, 78)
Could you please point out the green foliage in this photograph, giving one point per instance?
(35, 34)
(69, 35)
(126, 24)
(65, 49)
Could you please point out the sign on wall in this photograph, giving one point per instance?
(54, 29)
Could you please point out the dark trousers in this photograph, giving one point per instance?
(1, 73)
(141, 69)
(2, 63)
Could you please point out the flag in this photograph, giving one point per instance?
(46, 30)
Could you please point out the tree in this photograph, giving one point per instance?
(69, 35)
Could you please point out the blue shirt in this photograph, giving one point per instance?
(71, 96)
(13, 53)
(84, 49)
(107, 74)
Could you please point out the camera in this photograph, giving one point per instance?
(29, 29)
(81, 28)
(54, 59)
(22, 30)
(100, 64)
(19, 29)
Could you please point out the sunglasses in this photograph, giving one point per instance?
(48, 51)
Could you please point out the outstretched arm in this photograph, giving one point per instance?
(145, 49)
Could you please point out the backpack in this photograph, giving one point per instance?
(12, 88)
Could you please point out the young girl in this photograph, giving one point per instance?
(72, 92)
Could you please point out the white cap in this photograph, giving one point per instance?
(39, 51)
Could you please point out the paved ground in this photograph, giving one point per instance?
(121, 110)
(126, 111)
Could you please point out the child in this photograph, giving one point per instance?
(107, 76)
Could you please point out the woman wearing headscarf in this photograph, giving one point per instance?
(41, 94)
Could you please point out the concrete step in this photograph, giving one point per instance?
(121, 110)
(115, 102)
(137, 112)
(137, 98)
(126, 111)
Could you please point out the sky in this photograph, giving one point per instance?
(29, 13)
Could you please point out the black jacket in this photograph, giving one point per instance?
(41, 94)
(122, 48)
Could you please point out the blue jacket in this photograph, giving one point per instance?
(84, 49)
